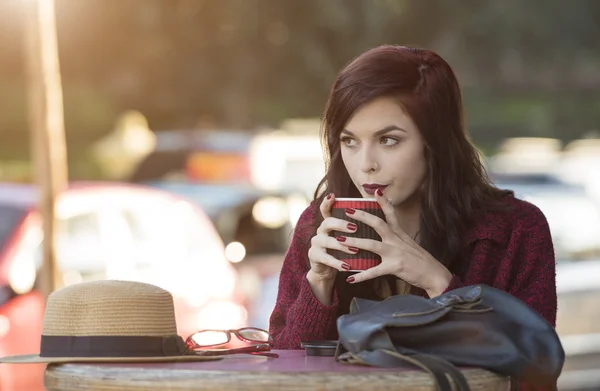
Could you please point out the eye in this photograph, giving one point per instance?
(388, 141)
(348, 141)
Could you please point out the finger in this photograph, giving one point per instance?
(377, 223)
(389, 212)
(326, 259)
(326, 205)
(364, 244)
(334, 224)
(377, 271)
(325, 241)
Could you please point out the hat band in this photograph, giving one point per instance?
(112, 346)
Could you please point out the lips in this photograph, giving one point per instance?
(372, 188)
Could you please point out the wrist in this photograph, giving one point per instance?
(315, 279)
(440, 282)
(322, 288)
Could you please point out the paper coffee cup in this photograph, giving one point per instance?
(364, 259)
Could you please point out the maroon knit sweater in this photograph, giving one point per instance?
(510, 250)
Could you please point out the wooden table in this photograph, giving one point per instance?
(293, 370)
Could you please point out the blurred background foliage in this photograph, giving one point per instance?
(527, 68)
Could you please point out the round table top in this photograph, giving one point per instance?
(293, 370)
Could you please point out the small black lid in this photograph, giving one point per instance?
(319, 348)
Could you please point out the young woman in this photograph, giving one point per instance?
(394, 131)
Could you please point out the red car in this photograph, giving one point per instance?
(110, 231)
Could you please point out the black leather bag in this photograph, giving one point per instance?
(474, 326)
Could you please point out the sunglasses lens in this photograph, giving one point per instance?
(255, 335)
(209, 338)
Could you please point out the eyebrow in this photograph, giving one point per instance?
(380, 131)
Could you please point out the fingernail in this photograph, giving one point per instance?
(352, 227)
(345, 266)
(353, 249)
(350, 211)
(350, 279)
(379, 192)
(329, 196)
(341, 238)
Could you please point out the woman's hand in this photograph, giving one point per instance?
(323, 266)
(400, 255)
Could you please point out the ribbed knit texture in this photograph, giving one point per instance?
(511, 251)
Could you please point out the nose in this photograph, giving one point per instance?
(368, 161)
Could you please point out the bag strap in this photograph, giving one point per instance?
(439, 369)
(384, 353)
(455, 374)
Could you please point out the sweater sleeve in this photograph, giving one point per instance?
(524, 267)
(534, 279)
(298, 315)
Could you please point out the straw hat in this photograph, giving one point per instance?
(109, 321)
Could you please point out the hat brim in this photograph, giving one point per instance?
(36, 359)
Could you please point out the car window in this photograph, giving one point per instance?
(178, 248)
(79, 244)
(159, 164)
(213, 199)
(170, 233)
(156, 239)
(259, 239)
(10, 216)
(573, 217)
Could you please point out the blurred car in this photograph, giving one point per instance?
(256, 226)
(201, 156)
(572, 214)
(252, 222)
(111, 231)
(254, 214)
(213, 169)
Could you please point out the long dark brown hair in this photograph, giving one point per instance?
(456, 184)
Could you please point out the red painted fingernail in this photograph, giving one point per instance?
(329, 196)
(341, 238)
(353, 249)
(379, 192)
(352, 227)
(350, 211)
(350, 279)
(345, 266)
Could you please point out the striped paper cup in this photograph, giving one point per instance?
(364, 259)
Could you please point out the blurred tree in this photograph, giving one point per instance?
(526, 68)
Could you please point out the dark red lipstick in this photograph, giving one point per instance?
(371, 188)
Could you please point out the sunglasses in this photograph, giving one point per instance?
(201, 341)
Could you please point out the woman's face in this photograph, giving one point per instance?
(382, 148)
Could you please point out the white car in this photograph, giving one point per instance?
(572, 214)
